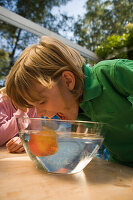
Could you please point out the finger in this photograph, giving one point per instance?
(10, 142)
(14, 149)
(15, 146)
(21, 149)
(27, 110)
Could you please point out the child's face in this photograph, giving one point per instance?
(58, 99)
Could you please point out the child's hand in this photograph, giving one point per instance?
(15, 145)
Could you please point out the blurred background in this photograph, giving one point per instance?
(104, 27)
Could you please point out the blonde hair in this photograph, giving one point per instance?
(3, 95)
(3, 90)
(43, 63)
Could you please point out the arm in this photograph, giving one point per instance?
(15, 145)
(8, 125)
(8, 128)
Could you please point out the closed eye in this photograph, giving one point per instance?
(43, 102)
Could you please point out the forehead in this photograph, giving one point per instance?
(45, 91)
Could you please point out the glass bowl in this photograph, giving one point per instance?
(60, 146)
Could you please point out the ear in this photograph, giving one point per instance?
(68, 79)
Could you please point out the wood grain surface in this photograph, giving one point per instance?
(100, 180)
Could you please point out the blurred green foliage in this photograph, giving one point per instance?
(4, 62)
(105, 21)
(117, 46)
(14, 40)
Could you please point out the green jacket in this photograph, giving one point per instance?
(108, 97)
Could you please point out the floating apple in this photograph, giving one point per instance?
(43, 143)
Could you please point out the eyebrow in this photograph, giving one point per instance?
(42, 89)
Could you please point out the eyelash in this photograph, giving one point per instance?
(43, 102)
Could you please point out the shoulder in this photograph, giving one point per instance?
(105, 68)
(113, 67)
(107, 63)
(113, 64)
(3, 98)
(124, 64)
(5, 101)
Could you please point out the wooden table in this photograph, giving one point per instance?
(100, 180)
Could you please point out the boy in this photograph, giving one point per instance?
(53, 78)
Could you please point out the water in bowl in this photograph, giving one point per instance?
(73, 154)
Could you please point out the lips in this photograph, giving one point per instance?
(61, 116)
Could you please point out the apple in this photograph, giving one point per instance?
(43, 143)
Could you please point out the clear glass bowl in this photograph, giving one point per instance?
(60, 146)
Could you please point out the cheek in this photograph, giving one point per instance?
(47, 107)
(56, 104)
(40, 107)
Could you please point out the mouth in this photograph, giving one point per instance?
(50, 114)
(61, 116)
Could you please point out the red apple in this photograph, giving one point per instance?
(43, 143)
